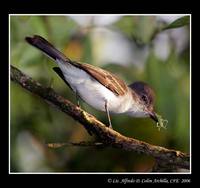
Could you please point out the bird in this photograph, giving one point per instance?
(98, 87)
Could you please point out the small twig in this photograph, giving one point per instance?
(83, 143)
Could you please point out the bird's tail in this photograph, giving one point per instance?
(46, 47)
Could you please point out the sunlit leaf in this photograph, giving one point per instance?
(185, 20)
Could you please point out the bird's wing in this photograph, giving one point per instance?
(107, 79)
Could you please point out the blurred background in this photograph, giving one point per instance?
(153, 49)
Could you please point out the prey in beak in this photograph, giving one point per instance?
(153, 116)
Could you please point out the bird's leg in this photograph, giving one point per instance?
(77, 100)
(108, 115)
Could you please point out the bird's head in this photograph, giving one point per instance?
(145, 99)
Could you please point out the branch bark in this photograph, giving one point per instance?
(107, 136)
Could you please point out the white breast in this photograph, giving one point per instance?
(91, 91)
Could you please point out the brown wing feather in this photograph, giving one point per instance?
(104, 77)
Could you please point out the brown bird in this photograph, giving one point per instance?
(100, 88)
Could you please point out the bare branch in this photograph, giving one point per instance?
(106, 135)
(83, 143)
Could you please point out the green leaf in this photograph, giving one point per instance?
(185, 20)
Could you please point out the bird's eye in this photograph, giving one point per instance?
(144, 98)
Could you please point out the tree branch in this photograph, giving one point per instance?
(106, 135)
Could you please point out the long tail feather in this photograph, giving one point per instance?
(46, 47)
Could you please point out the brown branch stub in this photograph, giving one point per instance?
(106, 135)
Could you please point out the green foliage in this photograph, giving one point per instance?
(138, 28)
(34, 123)
(185, 20)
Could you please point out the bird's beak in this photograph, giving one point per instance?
(153, 116)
